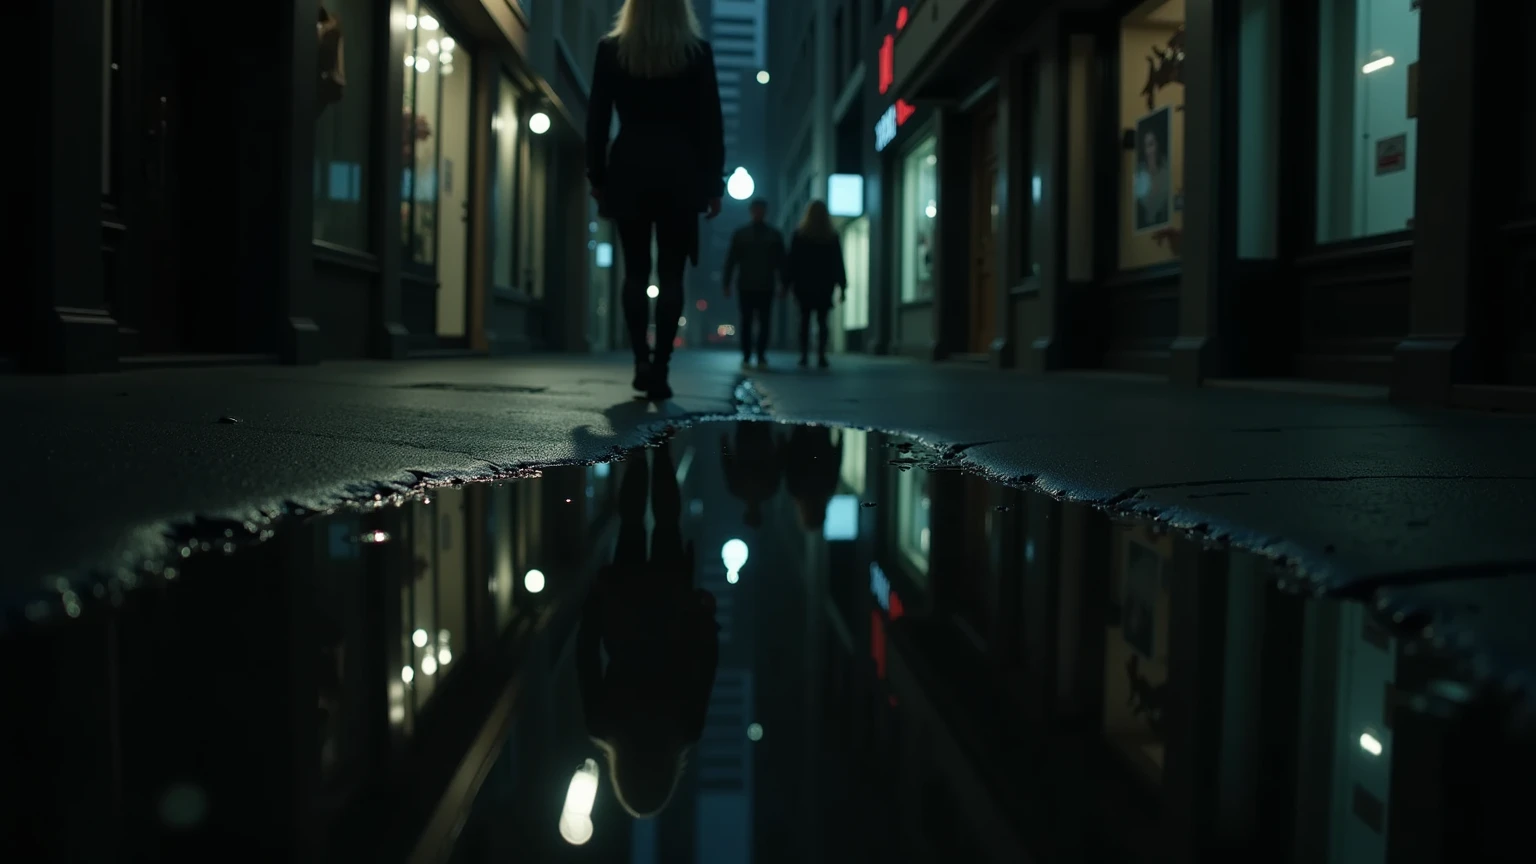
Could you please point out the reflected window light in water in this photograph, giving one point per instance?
(734, 556)
(652, 291)
(1029, 551)
(842, 521)
(407, 674)
(533, 581)
(419, 638)
(428, 665)
(755, 732)
(576, 815)
(695, 507)
(1370, 743)
(601, 470)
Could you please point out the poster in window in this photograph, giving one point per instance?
(1138, 609)
(1153, 181)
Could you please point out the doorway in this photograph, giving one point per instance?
(435, 229)
(984, 209)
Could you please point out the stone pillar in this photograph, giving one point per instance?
(1450, 224)
(388, 336)
(291, 241)
(68, 326)
(1209, 241)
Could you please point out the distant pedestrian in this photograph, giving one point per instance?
(666, 166)
(814, 270)
(757, 251)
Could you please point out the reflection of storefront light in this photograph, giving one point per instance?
(407, 674)
(448, 43)
(538, 124)
(1370, 744)
(755, 732)
(932, 210)
(576, 815)
(652, 291)
(423, 64)
(410, 22)
(533, 580)
(428, 22)
(604, 255)
(428, 665)
(419, 638)
(762, 77)
(734, 556)
(922, 540)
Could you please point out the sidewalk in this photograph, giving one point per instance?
(1349, 490)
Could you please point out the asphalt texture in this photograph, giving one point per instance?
(1352, 493)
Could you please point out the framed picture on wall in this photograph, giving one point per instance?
(1152, 184)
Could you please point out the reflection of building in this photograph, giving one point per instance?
(381, 187)
(1305, 238)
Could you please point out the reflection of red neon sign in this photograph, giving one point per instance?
(887, 62)
(901, 17)
(903, 111)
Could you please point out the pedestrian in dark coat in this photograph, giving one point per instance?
(814, 270)
(666, 166)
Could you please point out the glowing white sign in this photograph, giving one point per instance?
(845, 195)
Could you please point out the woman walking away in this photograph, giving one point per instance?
(815, 267)
(666, 166)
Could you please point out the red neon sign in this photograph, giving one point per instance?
(887, 62)
(904, 111)
(901, 17)
(877, 642)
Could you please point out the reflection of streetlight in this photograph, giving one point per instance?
(733, 555)
(762, 77)
(740, 186)
(538, 124)
(576, 815)
(652, 292)
(533, 580)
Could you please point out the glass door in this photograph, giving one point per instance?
(436, 191)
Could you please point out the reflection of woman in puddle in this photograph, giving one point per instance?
(812, 463)
(752, 467)
(645, 706)
(1153, 182)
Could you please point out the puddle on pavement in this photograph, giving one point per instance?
(774, 642)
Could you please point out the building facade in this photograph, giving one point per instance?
(400, 178)
(1196, 191)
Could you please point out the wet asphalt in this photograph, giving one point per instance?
(102, 466)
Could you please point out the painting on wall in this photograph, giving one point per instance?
(1153, 180)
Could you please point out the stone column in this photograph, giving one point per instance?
(1209, 243)
(1450, 224)
(69, 328)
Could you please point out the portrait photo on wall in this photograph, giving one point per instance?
(1153, 186)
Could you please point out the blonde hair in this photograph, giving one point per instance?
(657, 38)
(817, 222)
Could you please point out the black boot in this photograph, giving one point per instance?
(643, 374)
(657, 389)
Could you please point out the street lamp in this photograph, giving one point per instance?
(740, 185)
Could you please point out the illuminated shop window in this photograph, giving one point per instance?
(919, 215)
(1367, 142)
(1152, 120)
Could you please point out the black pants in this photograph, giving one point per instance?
(756, 315)
(805, 331)
(673, 239)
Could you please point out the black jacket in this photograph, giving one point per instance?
(815, 268)
(668, 159)
(757, 251)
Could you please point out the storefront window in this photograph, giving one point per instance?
(912, 533)
(919, 212)
(429, 56)
(856, 264)
(1136, 650)
(343, 121)
(1367, 142)
(504, 129)
(1152, 123)
(108, 97)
